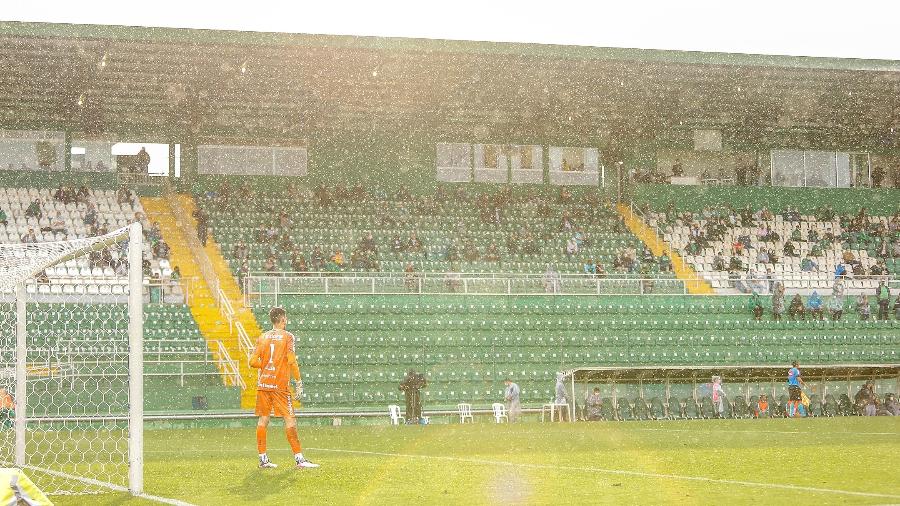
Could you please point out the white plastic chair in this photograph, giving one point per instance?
(465, 413)
(499, 412)
(394, 412)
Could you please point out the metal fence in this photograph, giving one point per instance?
(265, 288)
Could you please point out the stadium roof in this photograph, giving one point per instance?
(209, 82)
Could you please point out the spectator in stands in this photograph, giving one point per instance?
(397, 245)
(414, 245)
(161, 250)
(34, 210)
(796, 235)
(571, 247)
(240, 251)
(762, 256)
(814, 305)
(808, 265)
(755, 306)
(761, 410)
(123, 195)
(511, 396)
(552, 280)
(677, 169)
(60, 195)
(878, 174)
(897, 307)
(601, 272)
(58, 225)
(735, 264)
(836, 307)
(411, 278)
(298, 262)
(512, 242)
(90, 215)
(3, 218)
(453, 254)
(142, 160)
(271, 264)
(665, 262)
(883, 298)
(718, 263)
(154, 234)
(589, 267)
(202, 224)
(840, 271)
(453, 279)
(863, 309)
(789, 249)
(43, 279)
(796, 309)
(174, 276)
(338, 259)
(317, 260)
(243, 272)
(28, 237)
(778, 302)
(492, 253)
(824, 213)
(470, 251)
(566, 222)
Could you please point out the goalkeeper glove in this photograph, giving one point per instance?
(298, 389)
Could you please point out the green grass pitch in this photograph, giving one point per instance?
(805, 461)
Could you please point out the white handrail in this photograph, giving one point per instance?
(229, 367)
(225, 308)
(244, 341)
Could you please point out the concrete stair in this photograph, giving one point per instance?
(694, 283)
(212, 325)
(229, 286)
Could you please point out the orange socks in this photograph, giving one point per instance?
(292, 439)
(261, 439)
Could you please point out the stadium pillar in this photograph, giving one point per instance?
(135, 361)
(21, 350)
(572, 413)
(67, 151)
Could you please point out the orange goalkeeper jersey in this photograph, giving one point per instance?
(275, 359)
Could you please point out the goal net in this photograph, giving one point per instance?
(71, 364)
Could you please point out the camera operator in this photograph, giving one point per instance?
(410, 386)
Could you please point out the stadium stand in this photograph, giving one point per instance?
(355, 349)
(457, 230)
(178, 366)
(802, 250)
(43, 214)
(78, 334)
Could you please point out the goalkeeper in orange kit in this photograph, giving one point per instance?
(274, 357)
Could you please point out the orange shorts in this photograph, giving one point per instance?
(280, 402)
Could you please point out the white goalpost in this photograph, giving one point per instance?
(71, 360)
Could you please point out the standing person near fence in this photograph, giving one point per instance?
(514, 407)
(561, 396)
(718, 396)
(795, 383)
(7, 409)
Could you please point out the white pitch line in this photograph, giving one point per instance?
(105, 484)
(817, 433)
(621, 472)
